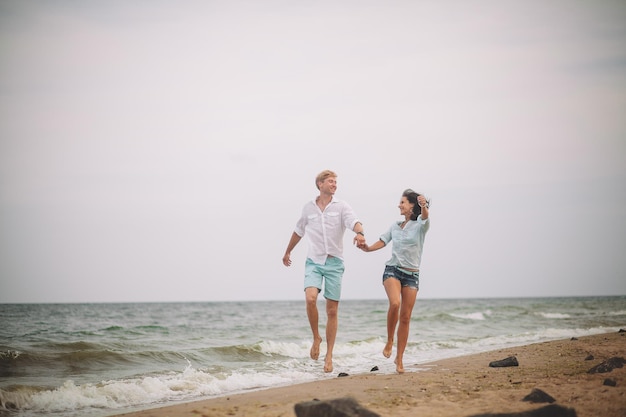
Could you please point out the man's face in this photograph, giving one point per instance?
(328, 186)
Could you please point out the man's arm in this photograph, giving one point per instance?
(295, 238)
(359, 238)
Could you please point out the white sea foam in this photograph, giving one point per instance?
(479, 315)
(181, 386)
(292, 350)
(554, 315)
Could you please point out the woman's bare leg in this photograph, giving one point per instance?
(406, 309)
(393, 290)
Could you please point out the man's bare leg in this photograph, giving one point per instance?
(313, 315)
(332, 308)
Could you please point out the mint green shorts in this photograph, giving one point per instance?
(330, 274)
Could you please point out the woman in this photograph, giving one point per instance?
(401, 276)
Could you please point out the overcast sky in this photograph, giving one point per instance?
(163, 150)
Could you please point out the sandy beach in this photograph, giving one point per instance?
(459, 387)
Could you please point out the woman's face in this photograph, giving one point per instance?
(406, 208)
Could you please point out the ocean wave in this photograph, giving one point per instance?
(455, 316)
(142, 391)
(113, 328)
(62, 361)
(284, 349)
(554, 315)
(79, 345)
(136, 330)
(252, 352)
(478, 315)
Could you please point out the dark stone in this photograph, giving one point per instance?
(342, 374)
(574, 338)
(610, 382)
(589, 358)
(552, 410)
(607, 366)
(374, 369)
(621, 331)
(539, 396)
(510, 361)
(340, 407)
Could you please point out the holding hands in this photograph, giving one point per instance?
(370, 248)
(359, 240)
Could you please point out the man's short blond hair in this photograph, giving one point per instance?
(321, 177)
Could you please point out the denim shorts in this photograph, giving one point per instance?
(406, 278)
(330, 273)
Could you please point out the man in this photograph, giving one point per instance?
(324, 221)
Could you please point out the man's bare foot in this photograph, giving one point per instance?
(328, 364)
(315, 348)
(388, 348)
(399, 366)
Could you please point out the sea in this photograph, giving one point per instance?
(95, 360)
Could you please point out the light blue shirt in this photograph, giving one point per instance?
(325, 229)
(408, 243)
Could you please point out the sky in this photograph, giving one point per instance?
(163, 150)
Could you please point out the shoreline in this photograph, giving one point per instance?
(454, 387)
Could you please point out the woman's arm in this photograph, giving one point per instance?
(421, 200)
(378, 245)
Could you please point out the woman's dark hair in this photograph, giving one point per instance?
(411, 196)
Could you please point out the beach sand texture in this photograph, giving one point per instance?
(456, 387)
